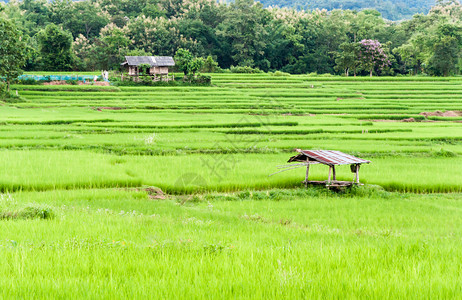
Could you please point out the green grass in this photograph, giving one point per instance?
(82, 216)
(119, 244)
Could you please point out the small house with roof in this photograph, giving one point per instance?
(154, 66)
(329, 158)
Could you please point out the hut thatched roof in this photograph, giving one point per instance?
(153, 61)
(327, 157)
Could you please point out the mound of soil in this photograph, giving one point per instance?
(56, 82)
(155, 193)
(107, 108)
(408, 120)
(438, 113)
(98, 83)
(63, 82)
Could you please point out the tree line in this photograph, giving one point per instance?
(390, 9)
(96, 34)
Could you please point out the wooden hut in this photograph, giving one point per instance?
(158, 66)
(331, 159)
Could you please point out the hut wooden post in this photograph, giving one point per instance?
(330, 171)
(333, 173)
(307, 172)
(357, 174)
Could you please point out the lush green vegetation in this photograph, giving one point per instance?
(280, 244)
(240, 36)
(391, 9)
(163, 192)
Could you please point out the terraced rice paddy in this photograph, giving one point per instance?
(244, 122)
(87, 156)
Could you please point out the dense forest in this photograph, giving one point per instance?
(390, 9)
(96, 34)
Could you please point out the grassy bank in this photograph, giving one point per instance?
(305, 244)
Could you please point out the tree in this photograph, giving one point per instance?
(347, 59)
(195, 65)
(13, 51)
(86, 19)
(159, 36)
(35, 14)
(182, 60)
(187, 63)
(446, 50)
(244, 30)
(197, 30)
(111, 46)
(55, 47)
(284, 44)
(412, 54)
(366, 23)
(79, 17)
(372, 56)
(445, 57)
(210, 65)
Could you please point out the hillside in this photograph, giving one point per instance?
(390, 9)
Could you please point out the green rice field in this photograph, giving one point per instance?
(164, 192)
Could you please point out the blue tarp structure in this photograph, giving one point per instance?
(59, 77)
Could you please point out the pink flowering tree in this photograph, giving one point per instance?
(372, 56)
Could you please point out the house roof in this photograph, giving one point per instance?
(327, 157)
(153, 61)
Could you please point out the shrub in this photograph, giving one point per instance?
(9, 97)
(36, 212)
(72, 82)
(244, 195)
(367, 191)
(248, 70)
(147, 81)
(28, 81)
(210, 65)
(202, 79)
(220, 70)
(29, 212)
(279, 73)
(444, 153)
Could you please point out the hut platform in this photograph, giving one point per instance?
(332, 184)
